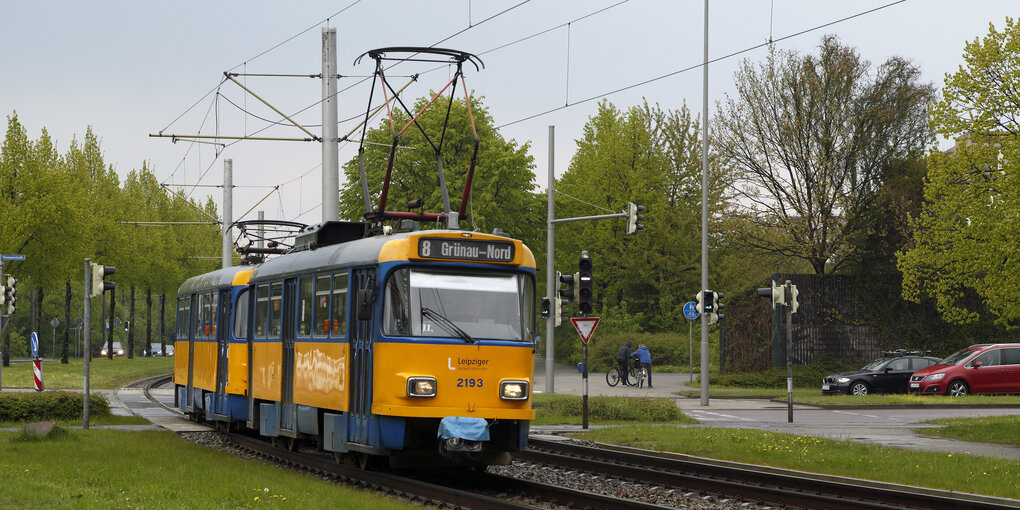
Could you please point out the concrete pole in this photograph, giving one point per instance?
(550, 272)
(330, 156)
(704, 221)
(87, 342)
(228, 213)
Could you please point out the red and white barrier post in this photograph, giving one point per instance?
(36, 362)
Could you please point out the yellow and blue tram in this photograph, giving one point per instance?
(401, 345)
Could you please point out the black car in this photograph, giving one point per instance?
(888, 374)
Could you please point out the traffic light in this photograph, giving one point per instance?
(793, 298)
(567, 294)
(546, 308)
(10, 295)
(717, 315)
(633, 217)
(777, 293)
(708, 302)
(585, 291)
(99, 274)
(558, 311)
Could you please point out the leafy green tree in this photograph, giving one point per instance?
(810, 136)
(502, 189)
(964, 252)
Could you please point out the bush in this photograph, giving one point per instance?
(49, 405)
(612, 408)
(667, 349)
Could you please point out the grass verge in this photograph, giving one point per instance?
(152, 469)
(813, 397)
(988, 429)
(979, 475)
(104, 374)
(552, 409)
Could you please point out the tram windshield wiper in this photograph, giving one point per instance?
(446, 324)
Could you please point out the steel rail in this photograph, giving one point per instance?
(775, 486)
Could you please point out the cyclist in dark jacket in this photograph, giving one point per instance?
(622, 356)
(645, 358)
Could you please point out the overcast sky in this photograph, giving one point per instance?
(131, 68)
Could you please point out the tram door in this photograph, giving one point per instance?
(288, 412)
(222, 342)
(193, 309)
(360, 410)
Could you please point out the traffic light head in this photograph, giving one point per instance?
(633, 217)
(777, 293)
(99, 274)
(708, 302)
(584, 278)
(567, 293)
(10, 295)
(546, 308)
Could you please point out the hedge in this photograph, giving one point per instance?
(49, 405)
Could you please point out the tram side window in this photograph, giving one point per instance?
(339, 321)
(305, 306)
(261, 310)
(275, 309)
(199, 316)
(183, 309)
(396, 305)
(241, 316)
(214, 312)
(322, 325)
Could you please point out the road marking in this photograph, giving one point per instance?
(857, 414)
(721, 417)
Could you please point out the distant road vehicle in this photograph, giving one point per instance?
(981, 368)
(156, 350)
(118, 350)
(888, 374)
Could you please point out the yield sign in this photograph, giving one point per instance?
(585, 326)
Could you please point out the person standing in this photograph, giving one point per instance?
(622, 355)
(645, 358)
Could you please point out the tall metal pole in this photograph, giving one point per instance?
(550, 272)
(789, 353)
(88, 339)
(330, 156)
(704, 220)
(228, 213)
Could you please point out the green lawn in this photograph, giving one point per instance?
(552, 409)
(104, 373)
(814, 397)
(105, 469)
(989, 429)
(980, 475)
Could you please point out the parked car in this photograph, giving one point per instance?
(156, 350)
(888, 374)
(118, 350)
(981, 368)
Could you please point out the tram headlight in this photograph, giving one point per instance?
(421, 387)
(513, 390)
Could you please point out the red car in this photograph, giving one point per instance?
(982, 368)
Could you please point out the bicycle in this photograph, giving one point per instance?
(639, 371)
(613, 376)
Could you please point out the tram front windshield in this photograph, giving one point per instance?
(482, 306)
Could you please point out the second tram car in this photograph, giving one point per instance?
(404, 346)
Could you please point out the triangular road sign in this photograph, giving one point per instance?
(585, 326)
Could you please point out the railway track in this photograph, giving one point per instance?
(459, 489)
(771, 486)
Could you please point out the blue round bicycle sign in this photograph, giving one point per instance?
(691, 310)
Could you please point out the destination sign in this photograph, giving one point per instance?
(465, 249)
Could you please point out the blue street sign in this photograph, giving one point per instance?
(691, 310)
(12, 257)
(35, 345)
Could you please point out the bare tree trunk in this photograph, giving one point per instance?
(131, 326)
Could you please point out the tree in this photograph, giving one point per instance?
(809, 136)
(503, 182)
(964, 252)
